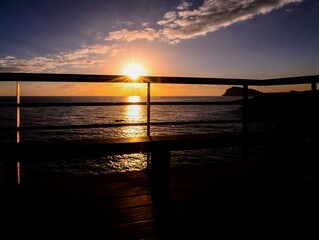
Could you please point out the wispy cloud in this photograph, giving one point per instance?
(184, 5)
(36, 64)
(148, 34)
(186, 23)
(85, 57)
(125, 23)
(145, 24)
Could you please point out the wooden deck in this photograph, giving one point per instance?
(241, 199)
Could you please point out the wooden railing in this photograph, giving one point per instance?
(245, 83)
(158, 146)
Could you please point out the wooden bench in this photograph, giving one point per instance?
(159, 148)
(112, 146)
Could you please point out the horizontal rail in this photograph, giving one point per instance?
(111, 125)
(45, 77)
(34, 150)
(118, 125)
(84, 104)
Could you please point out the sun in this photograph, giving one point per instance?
(134, 71)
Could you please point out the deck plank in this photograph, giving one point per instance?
(201, 202)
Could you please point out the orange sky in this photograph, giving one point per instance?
(153, 66)
(114, 89)
(126, 89)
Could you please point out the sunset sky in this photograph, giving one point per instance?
(198, 38)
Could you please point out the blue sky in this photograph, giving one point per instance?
(207, 38)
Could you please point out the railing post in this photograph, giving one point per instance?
(245, 109)
(314, 87)
(18, 177)
(148, 120)
(148, 109)
(11, 169)
(245, 122)
(18, 110)
(312, 113)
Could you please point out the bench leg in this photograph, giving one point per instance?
(165, 211)
(160, 164)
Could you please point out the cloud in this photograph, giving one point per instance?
(148, 34)
(85, 52)
(169, 18)
(99, 49)
(85, 57)
(186, 23)
(36, 64)
(184, 5)
(10, 69)
(289, 10)
(125, 23)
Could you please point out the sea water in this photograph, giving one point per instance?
(82, 115)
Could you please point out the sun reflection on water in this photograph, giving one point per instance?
(131, 114)
(134, 114)
(133, 99)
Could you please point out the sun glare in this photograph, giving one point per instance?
(134, 71)
(133, 99)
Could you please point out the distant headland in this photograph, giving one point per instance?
(238, 91)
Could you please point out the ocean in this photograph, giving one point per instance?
(80, 115)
